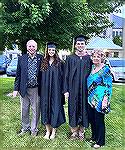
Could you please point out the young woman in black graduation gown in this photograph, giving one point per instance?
(52, 98)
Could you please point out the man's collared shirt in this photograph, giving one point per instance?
(32, 71)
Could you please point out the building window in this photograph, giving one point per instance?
(116, 33)
(116, 54)
(120, 33)
(113, 34)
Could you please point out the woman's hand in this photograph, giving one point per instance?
(104, 102)
(66, 95)
(15, 93)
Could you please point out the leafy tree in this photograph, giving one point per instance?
(98, 15)
(1, 29)
(63, 23)
(117, 40)
(54, 20)
(22, 19)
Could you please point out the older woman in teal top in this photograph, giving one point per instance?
(99, 84)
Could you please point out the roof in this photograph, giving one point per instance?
(102, 43)
(117, 21)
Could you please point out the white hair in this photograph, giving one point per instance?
(31, 41)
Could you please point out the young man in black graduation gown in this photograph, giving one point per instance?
(77, 68)
(52, 98)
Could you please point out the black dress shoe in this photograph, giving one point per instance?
(34, 134)
(22, 132)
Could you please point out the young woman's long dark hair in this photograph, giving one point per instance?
(45, 62)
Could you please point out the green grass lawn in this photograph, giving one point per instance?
(10, 124)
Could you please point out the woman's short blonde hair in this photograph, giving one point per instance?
(99, 52)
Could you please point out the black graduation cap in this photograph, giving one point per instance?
(80, 38)
(51, 45)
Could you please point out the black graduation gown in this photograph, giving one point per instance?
(52, 99)
(75, 82)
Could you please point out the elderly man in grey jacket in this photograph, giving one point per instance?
(27, 84)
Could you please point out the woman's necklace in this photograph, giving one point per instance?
(96, 68)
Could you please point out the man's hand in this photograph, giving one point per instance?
(66, 95)
(15, 93)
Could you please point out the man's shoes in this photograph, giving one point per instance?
(34, 134)
(96, 146)
(74, 136)
(90, 140)
(22, 132)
